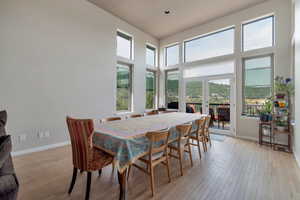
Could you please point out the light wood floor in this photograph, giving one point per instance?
(233, 169)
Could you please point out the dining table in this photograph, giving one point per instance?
(126, 139)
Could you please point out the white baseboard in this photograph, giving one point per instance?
(247, 138)
(41, 148)
(297, 159)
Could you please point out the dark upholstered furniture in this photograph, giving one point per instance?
(8, 181)
(223, 115)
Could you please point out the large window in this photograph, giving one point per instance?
(172, 89)
(257, 82)
(172, 55)
(208, 46)
(258, 34)
(124, 87)
(150, 55)
(150, 89)
(124, 45)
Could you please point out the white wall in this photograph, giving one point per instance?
(58, 58)
(297, 84)
(247, 127)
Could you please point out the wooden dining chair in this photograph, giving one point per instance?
(135, 116)
(153, 112)
(86, 158)
(157, 153)
(110, 119)
(206, 129)
(198, 135)
(180, 144)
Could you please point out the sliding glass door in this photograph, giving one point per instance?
(214, 96)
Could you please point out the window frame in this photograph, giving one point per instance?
(155, 89)
(254, 21)
(271, 55)
(130, 105)
(166, 80)
(166, 54)
(151, 47)
(127, 37)
(207, 35)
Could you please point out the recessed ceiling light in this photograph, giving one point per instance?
(167, 12)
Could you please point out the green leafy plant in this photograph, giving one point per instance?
(267, 107)
(284, 86)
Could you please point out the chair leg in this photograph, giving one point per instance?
(152, 180)
(190, 153)
(199, 150)
(180, 160)
(204, 146)
(88, 185)
(113, 166)
(168, 168)
(73, 180)
(100, 172)
(128, 173)
(209, 140)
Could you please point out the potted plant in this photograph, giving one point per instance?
(283, 87)
(266, 110)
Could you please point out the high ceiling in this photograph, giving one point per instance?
(148, 15)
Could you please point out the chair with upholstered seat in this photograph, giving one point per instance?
(223, 116)
(86, 158)
(110, 119)
(157, 153)
(198, 135)
(179, 145)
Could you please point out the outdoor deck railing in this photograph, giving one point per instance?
(250, 109)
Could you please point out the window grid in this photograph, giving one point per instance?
(151, 99)
(252, 22)
(166, 90)
(128, 38)
(246, 109)
(150, 48)
(207, 36)
(124, 98)
(166, 54)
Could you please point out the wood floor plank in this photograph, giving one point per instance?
(231, 170)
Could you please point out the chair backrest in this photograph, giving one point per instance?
(207, 121)
(135, 116)
(200, 123)
(153, 112)
(81, 133)
(184, 130)
(158, 141)
(111, 119)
